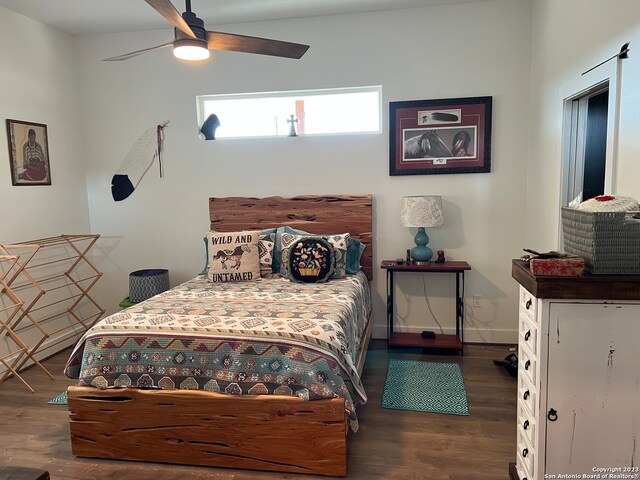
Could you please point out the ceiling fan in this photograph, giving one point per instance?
(193, 42)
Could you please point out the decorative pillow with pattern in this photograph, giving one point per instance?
(355, 248)
(337, 241)
(233, 256)
(311, 260)
(265, 249)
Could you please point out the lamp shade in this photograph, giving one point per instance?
(422, 211)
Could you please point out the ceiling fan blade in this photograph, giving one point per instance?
(168, 11)
(129, 55)
(262, 46)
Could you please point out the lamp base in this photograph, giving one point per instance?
(421, 253)
(421, 263)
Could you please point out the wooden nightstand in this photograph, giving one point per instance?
(415, 340)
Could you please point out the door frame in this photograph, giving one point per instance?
(589, 84)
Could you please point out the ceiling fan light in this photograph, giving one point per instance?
(190, 49)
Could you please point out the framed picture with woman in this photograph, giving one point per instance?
(28, 153)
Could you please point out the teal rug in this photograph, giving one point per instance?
(425, 387)
(60, 399)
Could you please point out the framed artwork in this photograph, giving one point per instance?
(28, 153)
(429, 137)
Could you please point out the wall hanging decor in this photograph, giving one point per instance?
(429, 137)
(28, 153)
(139, 159)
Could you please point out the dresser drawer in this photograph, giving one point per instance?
(525, 458)
(528, 334)
(527, 395)
(528, 304)
(526, 423)
(522, 474)
(527, 364)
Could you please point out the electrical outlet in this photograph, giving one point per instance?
(476, 301)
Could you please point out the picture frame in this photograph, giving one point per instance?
(428, 137)
(28, 153)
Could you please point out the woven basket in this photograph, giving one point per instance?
(609, 242)
(145, 284)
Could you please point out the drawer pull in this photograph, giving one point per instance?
(526, 395)
(528, 304)
(526, 424)
(527, 336)
(527, 364)
(552, 415)
(525, 452)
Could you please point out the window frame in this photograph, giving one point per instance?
(202, 99)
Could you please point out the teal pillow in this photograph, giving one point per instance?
(205, 270)
(265, 236)
(354, 253)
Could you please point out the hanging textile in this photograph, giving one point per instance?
(138, 161)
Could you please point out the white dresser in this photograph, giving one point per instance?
(578, 376)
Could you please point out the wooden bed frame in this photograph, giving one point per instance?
(260, 432)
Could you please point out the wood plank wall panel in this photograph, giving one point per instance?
(311, 213)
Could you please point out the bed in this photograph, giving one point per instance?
(290, 413)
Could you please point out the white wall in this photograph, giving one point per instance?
(39, 84)
(569, 37)
(463, 50)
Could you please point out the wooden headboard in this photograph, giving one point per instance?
(311, 213)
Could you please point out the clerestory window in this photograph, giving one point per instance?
(310, 112)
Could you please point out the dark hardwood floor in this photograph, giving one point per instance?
(391, 444)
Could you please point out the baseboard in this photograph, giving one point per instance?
(471, 335)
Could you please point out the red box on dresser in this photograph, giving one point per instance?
(557, 267)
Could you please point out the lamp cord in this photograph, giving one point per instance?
(426, 297)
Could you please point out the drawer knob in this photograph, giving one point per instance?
(525, 452)
(527, 336)
(528, 304)
(526, 424)
(526, 395)
(552, 415)
(527, 364)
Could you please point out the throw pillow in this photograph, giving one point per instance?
(311, 260)
(354, 250)
(354, 254)
(338, 242)
(233, 256)
(277, 250)
(265, 249)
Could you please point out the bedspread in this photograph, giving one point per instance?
(270, 336)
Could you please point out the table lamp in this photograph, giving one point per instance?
(421, 211)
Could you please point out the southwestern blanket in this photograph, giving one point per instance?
(270, 336)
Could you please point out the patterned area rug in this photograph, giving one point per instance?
(60, 399)
(425, 387)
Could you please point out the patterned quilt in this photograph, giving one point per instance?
(270, 336)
